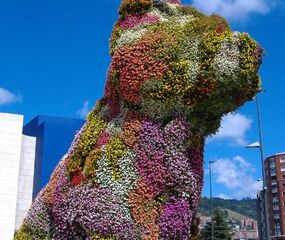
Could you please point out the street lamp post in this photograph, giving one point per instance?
(264, 188)
(211, 198)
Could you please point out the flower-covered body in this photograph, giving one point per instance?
(135, 169)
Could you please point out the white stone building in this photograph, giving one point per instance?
(17, 157)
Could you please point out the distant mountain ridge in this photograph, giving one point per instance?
(245, 207)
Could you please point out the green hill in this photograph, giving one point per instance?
(235, 209)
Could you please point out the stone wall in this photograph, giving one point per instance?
(16, 154)
(26, 175)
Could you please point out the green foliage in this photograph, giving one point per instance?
(87, 142)
(97, 237)
(26, 234)
(190, 10)
(22, 234)
(129, 7)
(209, 48)
(249, 61)
(246, 207)
(221, 228)
(177, 79)
(76, 163)
(115, 149)
(165, 8)
(117, 31)
(91, 164)
(205, 24)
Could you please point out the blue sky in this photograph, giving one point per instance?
(54, 57)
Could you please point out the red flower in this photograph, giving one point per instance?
(77, 179)
(134, 65)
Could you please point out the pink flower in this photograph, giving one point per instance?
(135, 20)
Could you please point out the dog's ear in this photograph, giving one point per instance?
(134, 7)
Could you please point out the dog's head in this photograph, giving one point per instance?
(168, 58)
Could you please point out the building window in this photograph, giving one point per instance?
(282, 168)
(277, 221)
(283, 194)
(276, 212)
(282, 160)
(283, 185)
(283, 176)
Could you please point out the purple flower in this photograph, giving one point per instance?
(96, 211)
(175, 220)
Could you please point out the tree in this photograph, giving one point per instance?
(195, 229)
(221, 229)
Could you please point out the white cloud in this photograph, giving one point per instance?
(243, 163)
(234, 9)
(7, 97)
(223, 196)
(233, 128)
(82, 112)
(236, 174)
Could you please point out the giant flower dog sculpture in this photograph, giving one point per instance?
(135, 169)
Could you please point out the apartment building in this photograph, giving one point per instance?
(275, 182)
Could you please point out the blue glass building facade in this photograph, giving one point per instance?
(54, 136)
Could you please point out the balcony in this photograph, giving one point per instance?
(276, 216)
(273, 174)
(275, 200)
(273, 182)
(276, 208)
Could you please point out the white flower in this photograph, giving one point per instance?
(129, 36)
(182, 20)
(173, 7)
(120, 187)
(157, 13)
(228, 56)
(114, 127)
